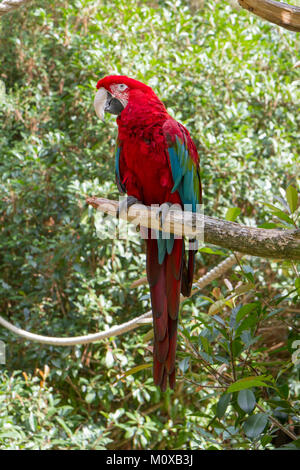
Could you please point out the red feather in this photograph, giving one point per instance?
(145, 131)
(165, 283)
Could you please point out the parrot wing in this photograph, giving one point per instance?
(167, 272)
(184, 163)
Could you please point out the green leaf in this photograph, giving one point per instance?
(90, 397)
(216, 307)
(244, 310)
(64, 426)
(184, 364)
(223, 404)
(283, 216)
(283, 390)
(10, 434)
(149, 335)
(249, 273)
(109, 359)
(297, 285)
(273, 208)
(255, 425)
(246, 324)
(32, 421)
(205, 344)
(243, 288)
(249, 382)
(266, 440)
(137, 369)
(246, 400)
(208, 299)
(212, 252)
(292, 198)
(247, 338)
(268, 225)
(232, 213)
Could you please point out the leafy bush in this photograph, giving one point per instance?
(229, 78)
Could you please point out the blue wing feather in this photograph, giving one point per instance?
(185, 173)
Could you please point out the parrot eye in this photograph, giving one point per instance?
(122, 87)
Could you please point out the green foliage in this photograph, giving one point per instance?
(246, 400)
(255, 425)
(229, 78)
(232, 213)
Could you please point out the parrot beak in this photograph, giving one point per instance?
(106, 102)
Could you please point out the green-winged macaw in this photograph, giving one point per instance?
(156, 162)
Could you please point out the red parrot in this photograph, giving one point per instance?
(156, 162)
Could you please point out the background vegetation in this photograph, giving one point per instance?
(229, 78)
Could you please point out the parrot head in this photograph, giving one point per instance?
(116, 91)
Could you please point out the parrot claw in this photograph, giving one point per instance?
(126, 204)
(163, 212)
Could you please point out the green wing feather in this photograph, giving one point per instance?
(184, 163)
(185, 172)
(121, 187)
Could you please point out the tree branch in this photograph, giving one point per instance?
(280, 244)
(282, 14)
(118, 330)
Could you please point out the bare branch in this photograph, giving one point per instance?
(282, 14)
(72, 341)
(280, 244)
(118, 330)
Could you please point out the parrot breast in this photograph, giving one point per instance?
(144, 153)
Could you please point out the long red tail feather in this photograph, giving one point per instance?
(166, 281)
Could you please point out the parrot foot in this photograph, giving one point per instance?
(126, 204)
(162, 213)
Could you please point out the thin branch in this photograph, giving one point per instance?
(118, 329)
(282, 14)
(114, 331)
(286, 242)
(273, 243)
(288, 432)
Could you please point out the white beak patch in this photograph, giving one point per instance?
(100, 102)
